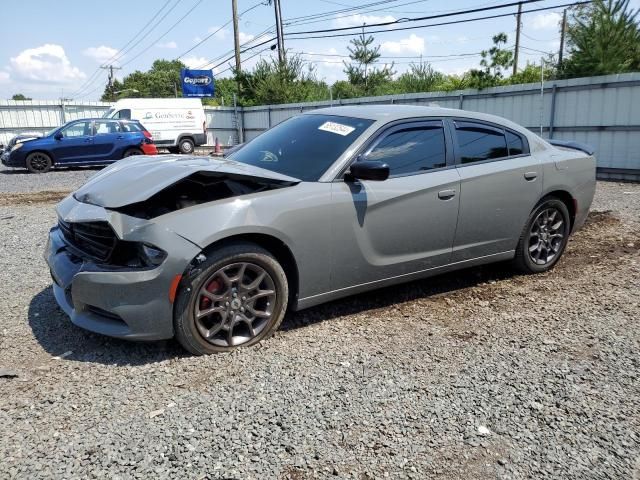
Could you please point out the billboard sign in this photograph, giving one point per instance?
(197, 83)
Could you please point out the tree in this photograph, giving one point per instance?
(361, 71)
(272, 82)
(421, 77)
(19, 96)
(162, 80)
(603, 38)
(495, 62)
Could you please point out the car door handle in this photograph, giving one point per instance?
(119, 137)
(87, 140)
(446, 194)
(530, 176)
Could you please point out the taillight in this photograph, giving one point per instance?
(147, 134)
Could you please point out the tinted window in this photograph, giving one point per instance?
(80, 129)
(123, 114)
(302, 147)
(477, 143)
(515, 144)
(103, 127)
(412, 150)
(131, 127)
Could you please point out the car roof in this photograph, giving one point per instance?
(388, 113)
(104, 120)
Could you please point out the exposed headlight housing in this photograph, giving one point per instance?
(152, 256)
(17, 146)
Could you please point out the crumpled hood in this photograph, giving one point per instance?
(135, 179)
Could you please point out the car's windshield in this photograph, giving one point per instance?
(302, 147)
(51, 132)
(108, 113)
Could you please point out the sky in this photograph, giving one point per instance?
(51, 49)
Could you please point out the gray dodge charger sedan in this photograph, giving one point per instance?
(326, 204)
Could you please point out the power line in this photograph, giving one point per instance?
(254, 39)
(90, 80)
(216, 31)
(198, 2)
(416, 19)
(453, 22)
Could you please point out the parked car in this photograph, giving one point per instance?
(177, 124)
(326, 204)
(81, 142)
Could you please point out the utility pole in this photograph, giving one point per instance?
(562, 32)
(111, 68)
(515, 54)
(236, 33)
(279, 32)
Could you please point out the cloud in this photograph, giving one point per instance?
(358, 19)
(4, 77)
(220, 34)
(245, 37)
(193, 62)
(47, 63)
(412, 44)
(545, 21)
(100, 54)
(170, 44)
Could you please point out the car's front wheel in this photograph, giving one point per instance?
(39, 162)
(238, 299)
(131, 152)
(544, 237)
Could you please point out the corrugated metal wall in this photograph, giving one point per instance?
(601, 111)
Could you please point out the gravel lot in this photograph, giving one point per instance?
(479, 374)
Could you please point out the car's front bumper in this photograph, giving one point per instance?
(13, 159)
(116, 301)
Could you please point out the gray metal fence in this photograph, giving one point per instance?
(601, 111)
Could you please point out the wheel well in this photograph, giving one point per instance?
(566, 198)
(183, 137)
(48, 154)
(278, 249)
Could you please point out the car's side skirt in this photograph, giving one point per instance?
(307, 302)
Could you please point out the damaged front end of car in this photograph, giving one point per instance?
(118, 251)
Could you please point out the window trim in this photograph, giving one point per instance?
(105, 120)
(66, 127)
(489, 126)
(389, 128)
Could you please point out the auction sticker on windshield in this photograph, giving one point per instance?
(338, 128)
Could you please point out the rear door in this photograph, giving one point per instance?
(405, 224)
(108, 141)
(500, 184)
(76, 145)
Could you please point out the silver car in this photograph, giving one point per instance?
(324, 205)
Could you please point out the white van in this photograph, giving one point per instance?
(178, 124)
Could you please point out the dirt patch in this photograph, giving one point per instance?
(47, 196)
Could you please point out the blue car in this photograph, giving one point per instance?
(81, 143)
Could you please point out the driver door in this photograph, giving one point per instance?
(402, 225)
(75, 144)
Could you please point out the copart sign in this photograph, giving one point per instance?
(197, 83)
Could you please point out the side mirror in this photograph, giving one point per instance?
(58, 136)
(369, 170)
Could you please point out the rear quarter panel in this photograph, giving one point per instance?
(572, 171)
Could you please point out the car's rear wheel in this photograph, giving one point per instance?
(238, 299)
(39, 162)
(544, 237)
(131, 152)
(186, 146)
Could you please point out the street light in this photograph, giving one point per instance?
(118, 92)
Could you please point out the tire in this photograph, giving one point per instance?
(131, 152)
(544, 237)
(38, 162)
(245, 313)
(186, 146)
